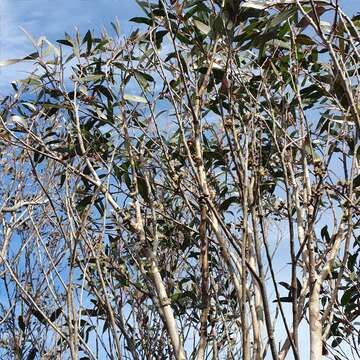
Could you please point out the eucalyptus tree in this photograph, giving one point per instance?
(188, 191)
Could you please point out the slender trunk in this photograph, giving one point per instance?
(204, 285)
(167, 311)
(315, 323)
(138, 227)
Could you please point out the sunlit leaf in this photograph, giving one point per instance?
(90, 78)
(205, 29)
(135, 98)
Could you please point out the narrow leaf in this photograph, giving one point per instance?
(135, 98)
(90, 78)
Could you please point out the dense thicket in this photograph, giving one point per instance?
(189, 191)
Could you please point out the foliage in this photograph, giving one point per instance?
(188, 191)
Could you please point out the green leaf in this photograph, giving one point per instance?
(143, 79)
(31, 56)
(120, 66)
(10, 62)
(90, 78)
(304, 40)
(65, 42)
(88, 39)
(32, 354)
(254, 5)
(21, 323)
(282, 16)
(356, 181)
(286, 299)
(106, 326)
(104, 90)
(159, 35)
(226, 204)
(84, 202)
(185, 39)
(348, 294)
(19, 120)
(143, 191)
(191, 12)
(336, 342)
(55, 314)
(279, 43)
(135, 98)
(118, 172)
(39, 316)
(264, 37)
(116, 26)
(353, 276)
(352, 261)
(217, 25)
(285, 285)
(147, 77)
(128, 181)
(205, 29)
(325, 234)
(141, 20)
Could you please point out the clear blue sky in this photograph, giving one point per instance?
(50, 18)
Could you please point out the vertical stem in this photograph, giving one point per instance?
(138, 227)
(204, 283)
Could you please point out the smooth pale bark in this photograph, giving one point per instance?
(315, 323)
(163, 299)
(167, 311)
(204, 263)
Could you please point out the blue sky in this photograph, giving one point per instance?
(46, 17)
(52, 19)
